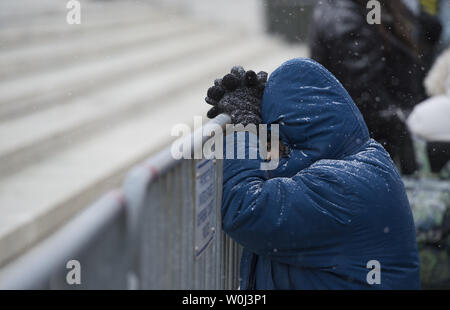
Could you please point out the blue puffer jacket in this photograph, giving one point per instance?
(335, 204)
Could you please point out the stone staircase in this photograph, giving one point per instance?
(81, 104)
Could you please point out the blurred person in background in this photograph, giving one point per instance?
(430, 120)
(382, 66)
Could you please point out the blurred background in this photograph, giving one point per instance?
(82, 103)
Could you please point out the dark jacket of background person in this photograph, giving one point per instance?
(382, 66)
(334, 204)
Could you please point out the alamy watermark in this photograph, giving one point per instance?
(73, 16)
(374, 15)
(213, 147)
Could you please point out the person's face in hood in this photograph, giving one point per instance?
(316, 116)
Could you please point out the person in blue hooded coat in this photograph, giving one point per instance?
(334, 214)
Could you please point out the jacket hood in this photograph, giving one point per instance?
(316, 115)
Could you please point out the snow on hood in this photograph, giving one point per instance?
(317, 117)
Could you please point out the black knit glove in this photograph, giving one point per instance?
(238, 94)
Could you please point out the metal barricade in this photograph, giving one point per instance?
(179, 243)
(162, 231)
